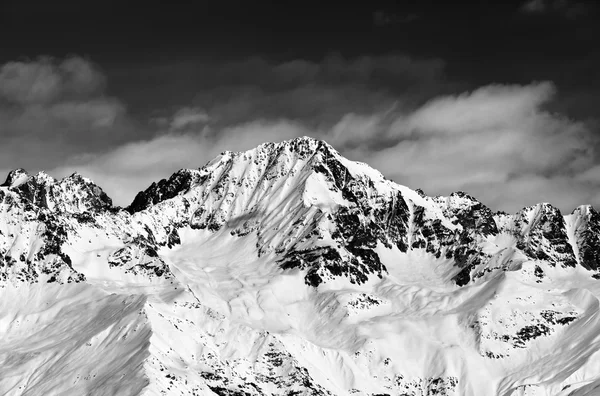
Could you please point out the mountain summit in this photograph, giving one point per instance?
(288, 269)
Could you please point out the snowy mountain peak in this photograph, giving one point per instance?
(302, 146)
(289, 269)
(463, 196)
(584, 210)
(72, 194)
(180, 182)
(16, 177)
(44, 178)
(306, 175)
(584, 231)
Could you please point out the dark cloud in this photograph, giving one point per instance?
(46, 101)
(47, 81)
(127, 169)
(500, 142)
(567, 8)
(63, 104)
(534, 6)
(390, 72)
(188, 117)
(497, 142)
(315, 93)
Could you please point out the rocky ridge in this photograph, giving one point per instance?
(299, 207)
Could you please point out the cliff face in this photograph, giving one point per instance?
(288, 269)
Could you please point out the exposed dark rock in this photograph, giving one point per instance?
(165, 189)
(589, 240)
(369, 219)
(73, 194)
(545, 237)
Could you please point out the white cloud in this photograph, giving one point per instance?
(490, 107)
(497, 142)
(591, 175)
(130, 168)
(487, 142)
(95, 113)
(187, 117)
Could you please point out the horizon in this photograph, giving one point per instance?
(125, 205)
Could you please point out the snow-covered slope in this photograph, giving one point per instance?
(290, 270)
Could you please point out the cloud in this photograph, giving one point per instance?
(55, 114)
(561, 190)
(47, 100)
(489, 142)
(497, 142)
(567, 8)
(332, 70)
(132, 167)
(490, 107)
(95, 113)
(399, 114)
(534, 6)
(590, 176)
(187, 116)
(313, 92)
(46, 80)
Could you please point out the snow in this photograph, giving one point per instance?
(225, 316)
(318, 193)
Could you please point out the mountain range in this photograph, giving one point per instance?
(291, 270)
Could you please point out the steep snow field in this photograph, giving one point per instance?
(289, 270)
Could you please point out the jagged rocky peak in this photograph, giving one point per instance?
(16, 177)
(82, 194)
(281, 157)
(180, 182)
(467, 211)
(303, 147)
(586, 211)
(584, 224)
(325, 197)
(267, 251)
(540, 217)
(72, 194)
(20, 176)
(267, 161)
(542, 234)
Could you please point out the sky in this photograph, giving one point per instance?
(499, 100)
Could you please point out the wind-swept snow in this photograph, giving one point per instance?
(290, 270)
